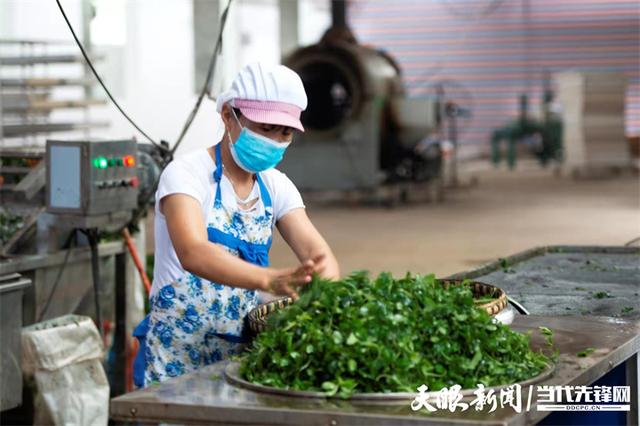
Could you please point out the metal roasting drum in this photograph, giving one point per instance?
(361, 129)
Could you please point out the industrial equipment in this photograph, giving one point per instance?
(548, 133)
(361, 129)
(12, 287)
(34, 86)
(92, 179)
(92, 187)
(46, 196)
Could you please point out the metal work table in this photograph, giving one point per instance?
(569, 280)
(205, 397)
(560, 285)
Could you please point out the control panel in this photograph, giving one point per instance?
(91, 177)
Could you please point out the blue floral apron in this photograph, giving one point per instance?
(194, 322)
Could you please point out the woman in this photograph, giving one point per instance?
(215, 212)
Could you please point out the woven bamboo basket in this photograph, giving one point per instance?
(481, 290)
(257, 317)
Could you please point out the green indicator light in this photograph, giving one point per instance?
(96, 162)
(102, 163)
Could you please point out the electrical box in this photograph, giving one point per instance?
(88, 178)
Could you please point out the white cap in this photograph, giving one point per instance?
(272, 94)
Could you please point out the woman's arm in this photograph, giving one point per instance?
(199, 256)
(307, 243)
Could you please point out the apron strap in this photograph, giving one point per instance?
(217, 177)
(217, 174)
(139, 363)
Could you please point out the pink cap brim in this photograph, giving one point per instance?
(270, 112)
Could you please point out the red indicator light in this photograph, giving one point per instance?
(129, 161)
(134, 182)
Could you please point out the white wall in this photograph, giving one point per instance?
(151, 74)
(157, 64)
(314, 19)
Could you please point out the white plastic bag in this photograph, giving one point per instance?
(64, 355)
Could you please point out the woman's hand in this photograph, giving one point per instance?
(286, 282)
(307, 243)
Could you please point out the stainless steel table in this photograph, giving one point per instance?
(569, 280)
(205, 397)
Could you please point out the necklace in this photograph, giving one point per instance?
(246, 203)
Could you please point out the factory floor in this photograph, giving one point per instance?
(504, 213)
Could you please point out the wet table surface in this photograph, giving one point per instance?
(204, 397)
(569, 280)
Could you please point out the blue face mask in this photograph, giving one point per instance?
(255, 153)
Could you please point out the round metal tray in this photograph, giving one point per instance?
(232, 376)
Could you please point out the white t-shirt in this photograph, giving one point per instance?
(192, 174)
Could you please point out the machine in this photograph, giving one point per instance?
(53, 203)
(88, 178)
(361, 129)
(69, 184)
(92, 180)
(548, 131)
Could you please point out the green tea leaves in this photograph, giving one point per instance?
(387, 335)
(585, 352)
(352, 339)
(330, 388)
(475, 361)
(545, 331)
(548, 337)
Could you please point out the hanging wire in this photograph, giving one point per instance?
(95, 73)
(206, 87)
(166, 152)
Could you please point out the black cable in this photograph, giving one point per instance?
(632, 242)
(92, 235)
(206, 88)
(57, 281)
(95, 73)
